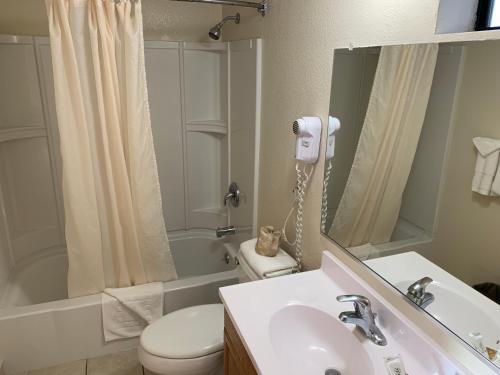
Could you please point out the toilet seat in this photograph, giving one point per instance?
(186, 342)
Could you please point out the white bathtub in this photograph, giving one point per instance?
(406, 237)
(40, 327)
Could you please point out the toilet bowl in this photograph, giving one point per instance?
(189, 341)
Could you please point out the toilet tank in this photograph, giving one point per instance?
(232, 247)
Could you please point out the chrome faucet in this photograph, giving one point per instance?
(417, 292)
(363, 317)
(226, 231)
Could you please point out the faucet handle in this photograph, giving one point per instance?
(361, 303)
(417, 289)
(233, 195)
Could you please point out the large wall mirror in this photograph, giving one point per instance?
(413, 187)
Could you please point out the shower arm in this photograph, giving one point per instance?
(235, 18)
(261, 7)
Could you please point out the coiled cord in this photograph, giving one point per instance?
(302, 179)
(324, 204)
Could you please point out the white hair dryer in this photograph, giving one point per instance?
(308, 132)
(333, 126)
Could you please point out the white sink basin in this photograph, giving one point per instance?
(458, 306)
(458, 313)
(309, 341)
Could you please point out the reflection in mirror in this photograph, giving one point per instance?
(413, 187)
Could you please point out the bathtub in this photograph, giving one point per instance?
(41, 327)
(405, 237)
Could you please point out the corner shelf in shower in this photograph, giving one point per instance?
(212, 210)
(208, 217)
(22, 132)
(209, 126)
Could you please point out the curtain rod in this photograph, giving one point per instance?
(261, 7)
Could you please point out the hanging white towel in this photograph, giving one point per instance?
(267, 267)
(127, 311)
(487, 166)
(495, 187)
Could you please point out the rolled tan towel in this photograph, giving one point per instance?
(268, 241)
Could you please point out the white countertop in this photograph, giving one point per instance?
(252, 306)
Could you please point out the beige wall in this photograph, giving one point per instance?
(26, 17)
(162, 18)
(179, 21)
(299, 37)
(467, 239)
(296, 81)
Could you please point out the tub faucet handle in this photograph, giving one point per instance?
(233, 195)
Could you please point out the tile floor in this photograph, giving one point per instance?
(122, 363)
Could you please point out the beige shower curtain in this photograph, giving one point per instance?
(115, 230)
(369, 207)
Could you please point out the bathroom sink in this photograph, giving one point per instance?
(309, 341)
(456, 305)
(458, 313)
(290, 325)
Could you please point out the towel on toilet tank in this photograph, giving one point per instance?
(486, 180)
(267, 267)
(127, 311)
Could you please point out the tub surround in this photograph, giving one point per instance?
(280, 320)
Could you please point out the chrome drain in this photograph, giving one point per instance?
(332, 371)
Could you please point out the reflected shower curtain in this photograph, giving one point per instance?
(369, 208)
(115, 230)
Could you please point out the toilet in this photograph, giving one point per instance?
(190, 341)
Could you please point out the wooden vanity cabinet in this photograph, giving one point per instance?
(236, 359)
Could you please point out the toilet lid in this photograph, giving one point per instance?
(188, 333)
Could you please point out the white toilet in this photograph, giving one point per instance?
(190, 341)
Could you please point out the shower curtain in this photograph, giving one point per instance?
(369, 208)
(115, 231)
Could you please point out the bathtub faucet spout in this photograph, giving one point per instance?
(226, 231)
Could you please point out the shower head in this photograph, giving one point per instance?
(215, 31)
